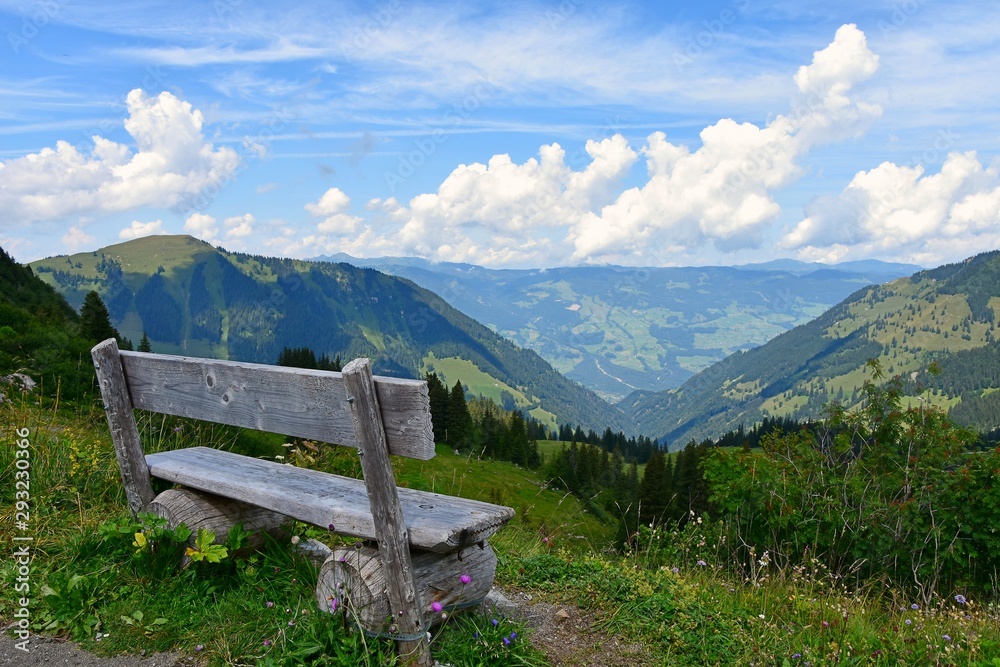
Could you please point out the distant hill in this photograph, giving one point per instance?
(617, 329)
(946, 315)
(192, 298)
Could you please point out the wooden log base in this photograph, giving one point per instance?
(198, 509)
(355, 578)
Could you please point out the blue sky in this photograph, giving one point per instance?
(520, 134)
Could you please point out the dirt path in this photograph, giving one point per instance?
(563, 633)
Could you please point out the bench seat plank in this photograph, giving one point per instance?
(434, 522)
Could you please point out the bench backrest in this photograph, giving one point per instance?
(295, 402)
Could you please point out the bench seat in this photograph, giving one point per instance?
(434, 522)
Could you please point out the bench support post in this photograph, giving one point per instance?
(390, 529)
(121, 421)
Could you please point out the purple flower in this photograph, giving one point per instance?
(495, 622)
(914, 606)
(513, 635)
(960, 599)
(908, 622)
(675, 570)
(199, 648)
(267, 642)
(436, 607)
(331, 527)
(796, 656)
(268, 604)
(947, 638)
(333, 605)
(506, 642)
(702, 563)
(465, 579)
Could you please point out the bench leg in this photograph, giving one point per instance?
(357, 580)
(198, 509)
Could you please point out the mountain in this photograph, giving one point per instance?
(945, 315)
(617, 329)
(191, 298)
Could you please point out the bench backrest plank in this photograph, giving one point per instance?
(295, 402)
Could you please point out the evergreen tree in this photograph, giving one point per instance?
(459, 422)
(95, 322)
(653, 489)
(144, 345)
(438, 397)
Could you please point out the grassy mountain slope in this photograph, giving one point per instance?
(947, 315)
(617, 329)
(40, 334)
(191, 298)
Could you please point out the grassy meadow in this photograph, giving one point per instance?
(95, 580)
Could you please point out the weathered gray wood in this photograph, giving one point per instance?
(390, 527)
(435, 522)
(356, 579)
(200, 510)
(292, 401)
(121, 421)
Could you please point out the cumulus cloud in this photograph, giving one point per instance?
(723, 192)
(240, 226)
(171, 162)
(139, 229)
(905, 212)
(202, 226)
(75, 239)
(333, 207)
(545, 210)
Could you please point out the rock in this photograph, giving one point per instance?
(562, 615)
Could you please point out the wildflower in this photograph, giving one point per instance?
(331, 528)
(291, 623)
(826, 624)
(267, 642)
(506, 641)
(702, 563)
(513, 635)
(178, 429)
(675, 570)
(268, 604)
(333, 605)
(960, 599)
(908, 622)
(495, 622)
(796, 656)
(436, 607)
(545, 540)
(947, 638)
(465, 579)
(914, 606)
(199, 648)
(444, 615)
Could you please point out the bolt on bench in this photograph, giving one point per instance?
(425, 541)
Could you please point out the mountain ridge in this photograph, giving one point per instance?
(192, 298)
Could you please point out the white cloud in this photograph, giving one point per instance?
(543, 210)
(201, 225)
(902, 212)
(75, 238)
(239, 226)
(333, 206)
(139, 229)
(172, 162)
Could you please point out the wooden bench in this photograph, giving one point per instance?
(425, 541)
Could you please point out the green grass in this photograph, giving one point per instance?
(89, 578)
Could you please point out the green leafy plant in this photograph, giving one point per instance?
(205, 549)
(69, 605)
(136, 619)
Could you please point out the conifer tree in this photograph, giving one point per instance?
(95, 322)
(144, 345)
